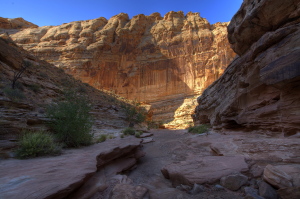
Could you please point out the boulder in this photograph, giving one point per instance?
(289, 193)
(234, 181)
(276, 177)
(197, 188)
(199, 170)
(267, 191)
(128, 191)
(292, 170)
(251, 193)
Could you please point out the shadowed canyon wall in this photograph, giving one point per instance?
(261, 88)
(162, 61)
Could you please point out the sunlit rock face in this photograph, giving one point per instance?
(14, 25)
(261, 88)
(152, 59)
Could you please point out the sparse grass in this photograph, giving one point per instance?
(34, 144)
(128, 131)
(14, 94)
(199, 129)
(102, 138)
(111, 136)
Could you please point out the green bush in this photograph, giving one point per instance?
(137, 134)
(199, 129)
(34, 144)
(71, 120)
(128, 131)
(102, 138)
(14, 94)
(134, 114)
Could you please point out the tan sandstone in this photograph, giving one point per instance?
(261, 88)
(161, 61)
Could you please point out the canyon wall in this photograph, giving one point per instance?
(40, 85)
(161, 61)
(14, 25)
(261, 88)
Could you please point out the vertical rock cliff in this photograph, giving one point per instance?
(261, 88)
(161, 61)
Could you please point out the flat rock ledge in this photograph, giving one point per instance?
(200, 170)
(59, 176)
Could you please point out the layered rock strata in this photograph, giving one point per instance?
(261, 88)
(41, 84)
(14, 25)
(152, 59)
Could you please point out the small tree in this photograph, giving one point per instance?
(71, 120)
(134, 114)
(18, 73)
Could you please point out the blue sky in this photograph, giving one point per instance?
(57, 12)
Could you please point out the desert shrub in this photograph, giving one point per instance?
(33, 144)
(34, 87)
(14, 94)
(81, 89)
(111, 137)
(102, 138)
(128, 131)
(71, 120)
(137, 134)
(134, 114)
(154, 124)
(199, 129)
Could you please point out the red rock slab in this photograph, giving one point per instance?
(199, 170)
(56, 177)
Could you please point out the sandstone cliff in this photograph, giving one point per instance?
(152, 59)
(40, 85)
(261, 88)
(14, 25)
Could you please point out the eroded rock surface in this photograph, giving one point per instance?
(261, 88)
(207, 169)
(152, 59)
(14, 25)
(234, 181)
(57, 177)
(39, 86)
(276, 177)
